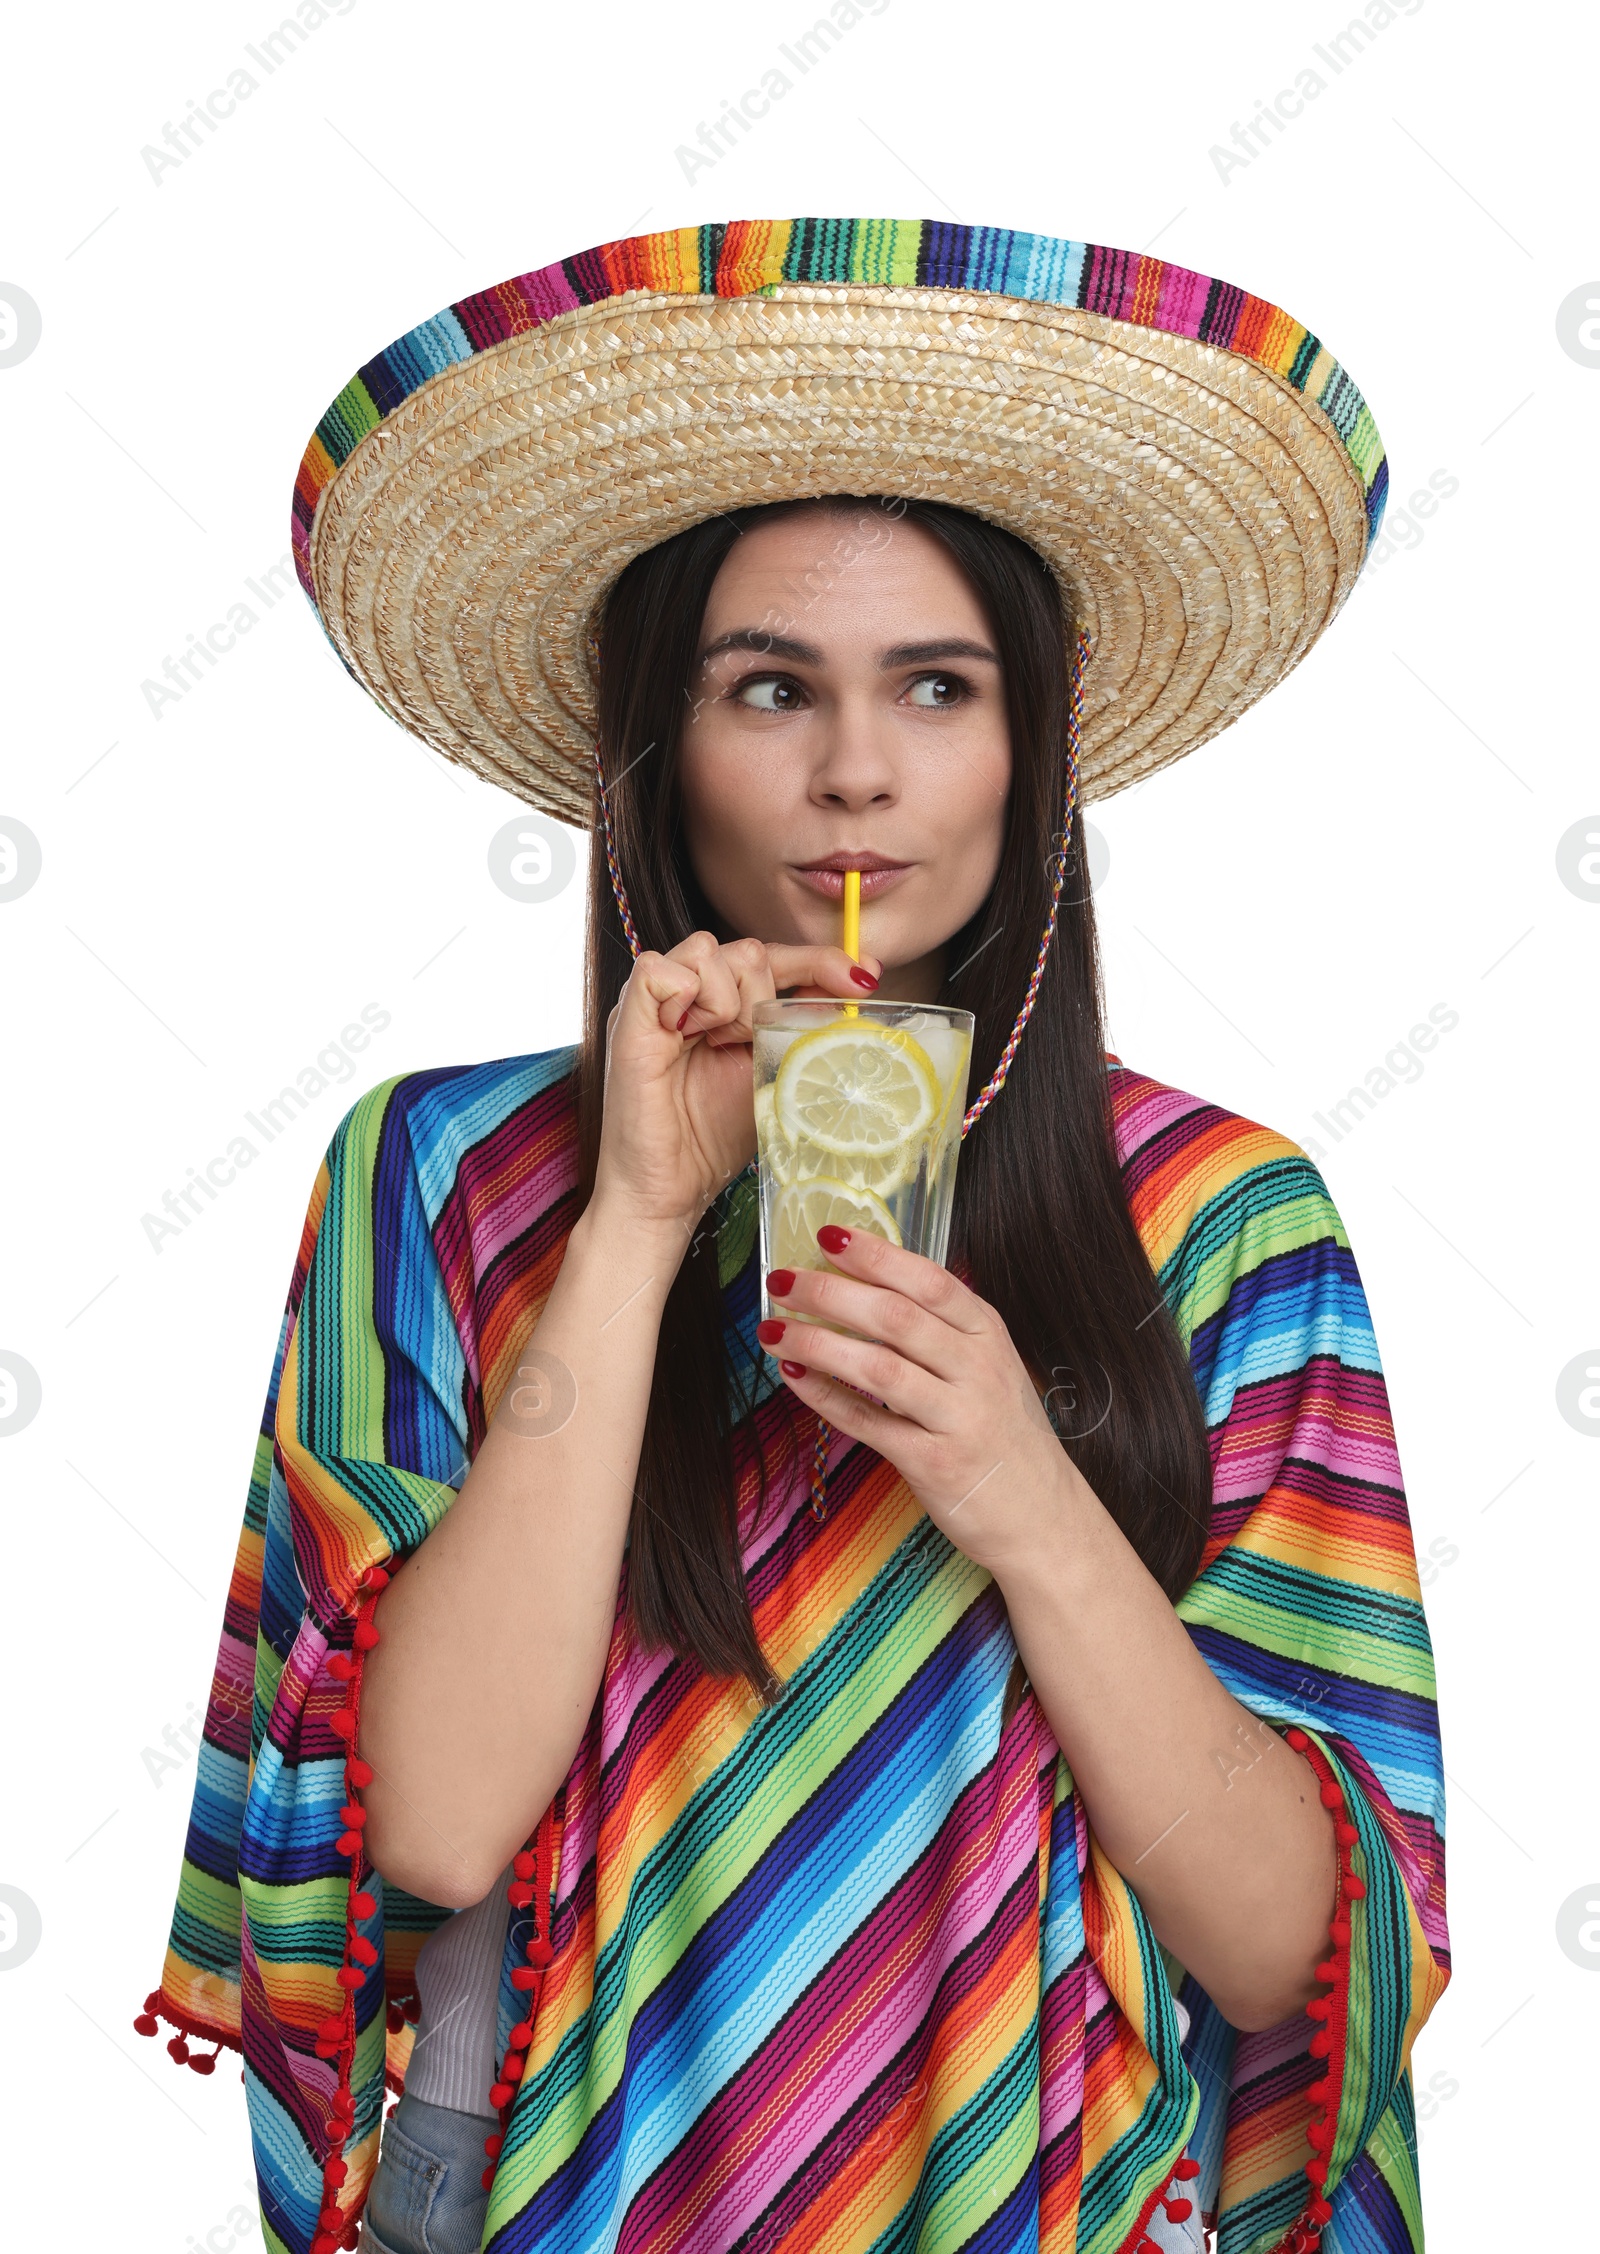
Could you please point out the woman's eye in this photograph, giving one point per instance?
(770, 693)
(937, 691)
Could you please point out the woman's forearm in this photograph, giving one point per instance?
(494, 1633)
(1215, 1823)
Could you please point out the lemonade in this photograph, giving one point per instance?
(858, 1123)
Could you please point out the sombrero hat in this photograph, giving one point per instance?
(1198, 470)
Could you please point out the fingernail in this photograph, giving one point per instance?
(780, 1283)
(793, 1369)
(683, 1021)
(832, 1238)
(770, 1332)
(862, 976)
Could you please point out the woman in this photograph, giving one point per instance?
(927, 1862)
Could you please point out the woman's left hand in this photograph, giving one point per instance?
(952, 1407)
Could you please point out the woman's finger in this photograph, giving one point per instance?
(850, 1413)
(903, 1387)
(658, 992)
(871, 1311)
(715, 1000)
(871, 1259)
(829, 968)
(746, 962)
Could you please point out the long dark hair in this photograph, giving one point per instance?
(1041, 1227)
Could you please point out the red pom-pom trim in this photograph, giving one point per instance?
(532, 1887)
(1333, 1974)
(335, 2035)
(148, 2024)
(1178, 2208)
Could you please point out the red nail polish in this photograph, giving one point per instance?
(683, 1021)
(770, 1332)
(780, 1283)
(862, 977)
(832, 1238)
(793, 1369)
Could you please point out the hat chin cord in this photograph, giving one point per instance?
(997, 1079)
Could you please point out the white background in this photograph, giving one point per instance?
(223, 887)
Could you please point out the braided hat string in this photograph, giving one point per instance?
(610, 843)
(997, 1078)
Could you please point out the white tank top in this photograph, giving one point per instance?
(453, 2057)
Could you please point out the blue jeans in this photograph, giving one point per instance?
(427, 2196)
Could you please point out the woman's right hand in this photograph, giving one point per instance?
(679, 1102)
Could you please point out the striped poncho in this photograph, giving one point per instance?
(849, 1972)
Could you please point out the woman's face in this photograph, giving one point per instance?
(847, 711)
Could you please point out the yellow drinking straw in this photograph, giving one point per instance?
(852, 923)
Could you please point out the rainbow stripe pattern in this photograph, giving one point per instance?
(746, 257)
(848, 1972)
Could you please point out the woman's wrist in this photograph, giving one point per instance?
(1061, 1524)
(643, 1250)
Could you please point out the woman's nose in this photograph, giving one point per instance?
(857, 768)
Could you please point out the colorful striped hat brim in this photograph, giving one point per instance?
(1198, 470)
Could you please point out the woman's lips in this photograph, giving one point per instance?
(828, 883)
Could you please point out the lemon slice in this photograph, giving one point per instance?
(856, 1091)
(786, 1164)
(799, 1211)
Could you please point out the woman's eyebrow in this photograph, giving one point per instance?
(764, 644)
(924, 653)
